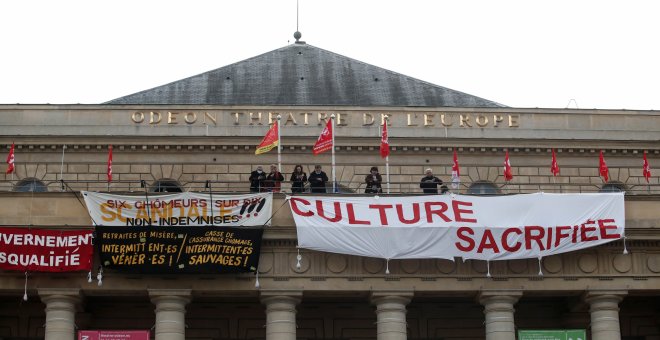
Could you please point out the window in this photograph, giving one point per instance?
(30, 185)
(613, 187)
(166, 185)
(483, 188)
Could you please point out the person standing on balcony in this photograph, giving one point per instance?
(274, 179)
(374, 182)
(317, 180)
(257, 178)
(429, 183)
(298, 180)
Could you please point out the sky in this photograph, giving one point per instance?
(548, 54)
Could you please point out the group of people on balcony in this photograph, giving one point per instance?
(260, 181)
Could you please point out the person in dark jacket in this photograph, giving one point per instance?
(274, 179)
(429, 183)
(298, 179)
(257, 178)
(374, 182)
(317, 180)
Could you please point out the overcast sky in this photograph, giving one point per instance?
(550, 54)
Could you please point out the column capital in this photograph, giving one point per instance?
(183, 293)
(73, 292)
(71, 296)
(392, 296)
(597, 294)
(280, 295)
(499, 295)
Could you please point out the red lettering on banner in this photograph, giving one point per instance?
(488, 242)
(461, 234)
(381, 211)
(294, 206)
(351, 215)
(575, 233)
(321, 212)
(560, 235)
(402, 219)
(585, 230)
(428, 206)
(458, 211)
(604, 228)
(505, 239)
(529, 236)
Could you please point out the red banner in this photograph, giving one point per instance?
(42, 250)
(325, 141)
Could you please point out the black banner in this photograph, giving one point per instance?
(166, 250)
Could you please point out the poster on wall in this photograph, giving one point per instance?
(556, 334)
(42, 250)
(113, 335)
(179, 210)
(166, 250)
(449, 226)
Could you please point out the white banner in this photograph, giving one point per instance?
(449, 226)
(181, 209)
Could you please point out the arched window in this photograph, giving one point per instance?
(613, 187)
(30, 185)
(166, 185)
(483, 188)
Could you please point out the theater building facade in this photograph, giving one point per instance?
(199, 134)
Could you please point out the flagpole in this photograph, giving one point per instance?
(332, 119)
(279, 144)
(62, 167)
(387, 158)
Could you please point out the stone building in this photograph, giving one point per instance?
(203, 130)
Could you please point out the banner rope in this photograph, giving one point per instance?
(278, 209)
(78, 198)
(488, 268)
(625, 249)
(540, 266)
(25, 297)
(298, 258)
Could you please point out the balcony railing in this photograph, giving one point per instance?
(395, 188)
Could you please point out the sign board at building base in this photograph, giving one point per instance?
(115, 335)
(561, 334)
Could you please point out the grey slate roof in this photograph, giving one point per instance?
(301, 74)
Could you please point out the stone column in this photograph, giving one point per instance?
(604, 310)
(391, 314)
(170, 312)
(60, 312)
(498, 308)
(281, 313)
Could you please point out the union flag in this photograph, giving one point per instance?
(271, 140)
(324, 143)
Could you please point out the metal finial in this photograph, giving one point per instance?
(297, 35)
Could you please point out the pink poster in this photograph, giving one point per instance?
(114, 335)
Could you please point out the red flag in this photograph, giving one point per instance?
(554, 168)
(110, 164)
(10, 160)
(455, 173)
(508, 175)
(647, 168)
(602, 168)
(324, 143)
(271, 140)
(384, 142)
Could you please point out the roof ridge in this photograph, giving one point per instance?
(403, 75)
